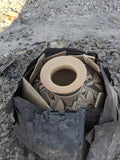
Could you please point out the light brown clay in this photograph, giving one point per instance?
(29, 93)
(37, 69)
(91, 64)
(100, 100)
(63, 75)
(82, 59)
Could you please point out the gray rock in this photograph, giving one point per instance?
(116, 55)
(1, 60)
(7, 150)
(5, 88)
(31, 156)
(118, 75)
(3, 126)
(62, 44)
(4, 134)
(4, 140)
(53, 44)
(115, 81)
(110, 61)
(106, 143)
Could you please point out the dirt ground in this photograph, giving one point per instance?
(89, 25)
(48, 20)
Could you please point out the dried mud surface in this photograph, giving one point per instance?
(47, 23)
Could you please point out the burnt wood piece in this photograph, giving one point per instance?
(51, 135)
(106, 144)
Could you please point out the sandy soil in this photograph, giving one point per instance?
(89, 25)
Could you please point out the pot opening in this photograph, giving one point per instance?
(63, 77)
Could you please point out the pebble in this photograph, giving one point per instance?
(4, 126)
(16, 156)
(118, 76)
(1, 61)
(4, 140)
(115, 81)
(52, 12)
(110, 61)
(13, 81)
(1, 82)
(59, 44)
(4, 134)
(116, 55)
(62, 44)
(5, 88)
(7, 150)
(53, 44)
(110, 42)
(31, 156)
(8, 156)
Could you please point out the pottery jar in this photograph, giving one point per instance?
(64, 76)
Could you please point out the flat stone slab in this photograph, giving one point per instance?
(51, 135)
(106, 145)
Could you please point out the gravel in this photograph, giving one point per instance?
(87, 25)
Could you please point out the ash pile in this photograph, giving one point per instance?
(82, 123)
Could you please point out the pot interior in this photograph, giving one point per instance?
(63, 77)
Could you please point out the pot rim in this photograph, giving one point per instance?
(59, 63)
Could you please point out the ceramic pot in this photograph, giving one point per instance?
(58, 74)
(63, 75)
